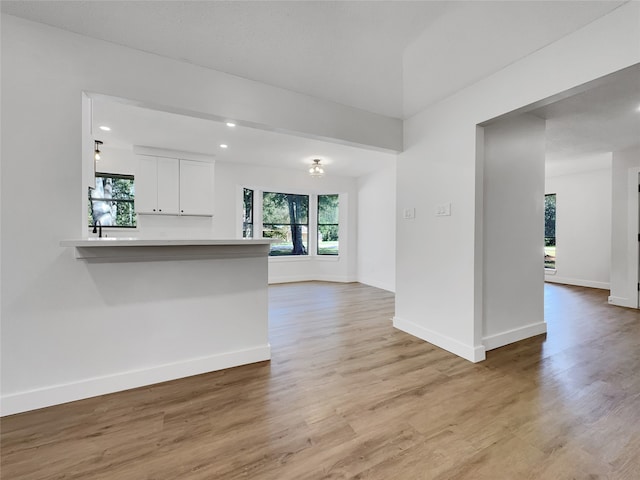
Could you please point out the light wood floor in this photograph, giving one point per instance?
(347, 396)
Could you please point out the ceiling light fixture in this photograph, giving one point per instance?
(231, 124)
(223, 145)
(104, 128)
(316, 169)
(96, 150)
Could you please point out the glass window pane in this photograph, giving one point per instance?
(328, 228)
(328, 240)
(550, 231)
(285, 208)
(292, 240)
(111, 202)
(286, 216)
(247, 213)
(327, 209)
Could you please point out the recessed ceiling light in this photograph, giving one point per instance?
(231, 124)
(104, 128)
(223, 145)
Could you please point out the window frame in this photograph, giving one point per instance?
(308, 224)
(252, 210)
(551, 269)
(91, 199)
(318, 224)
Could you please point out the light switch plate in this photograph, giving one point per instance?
(443, 210)
(409, 213)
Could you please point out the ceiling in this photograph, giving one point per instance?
(366, 54)
(582, 130)
(353, 53)
(132, 125)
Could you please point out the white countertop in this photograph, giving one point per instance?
(158, 242)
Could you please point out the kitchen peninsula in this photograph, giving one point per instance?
(171, 308)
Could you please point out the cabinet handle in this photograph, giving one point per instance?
(159, 209)
(154, 209)
(181, 211)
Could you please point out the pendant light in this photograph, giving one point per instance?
(316, 169)
(96, 150)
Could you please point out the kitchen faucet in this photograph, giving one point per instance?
(97, 227)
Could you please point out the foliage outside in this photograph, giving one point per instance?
(328, 214)
(111, 202)
(247, 213)
(550, 231)
(285, 216)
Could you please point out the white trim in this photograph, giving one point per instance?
(289, 258)
(92, 387)
(633, 229)
(576, 281)
(167, 153)
(622, 302)
(374, 283)
(306, 277)
(514, 335)
(326, 258)
(468, 352)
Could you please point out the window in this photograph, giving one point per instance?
(550, 231)
(111, 202)
(247, 213)
(285, 216)
(328, 224)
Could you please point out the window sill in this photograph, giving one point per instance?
(289, 258)
(549, 271)
(327, 258)
(114, 231)
(304, 258)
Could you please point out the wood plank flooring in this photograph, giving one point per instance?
(348, 397)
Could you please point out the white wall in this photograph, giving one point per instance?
(439, 260)
(49, 299)
(230, 178)
(513, 230)
(367, 217)
(624, 228)
(376, 228)
(583, 228)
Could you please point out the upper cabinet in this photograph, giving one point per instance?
(196, 188)
(169, 186)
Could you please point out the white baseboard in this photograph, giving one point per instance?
(377, 284)
(622, 302)
(92, 387)
(576, 281)
(311, 278)
(468, 352)
(515, 335)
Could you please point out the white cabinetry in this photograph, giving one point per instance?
(196, 188)
(169, 186)
(158, 186)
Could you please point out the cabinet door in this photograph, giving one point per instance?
(196, 188)
(146, 184)
(168, 186)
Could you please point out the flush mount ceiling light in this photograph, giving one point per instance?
(104, 128)
(224, 145)
(316, 169)
(231, 124)
(96, 150)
